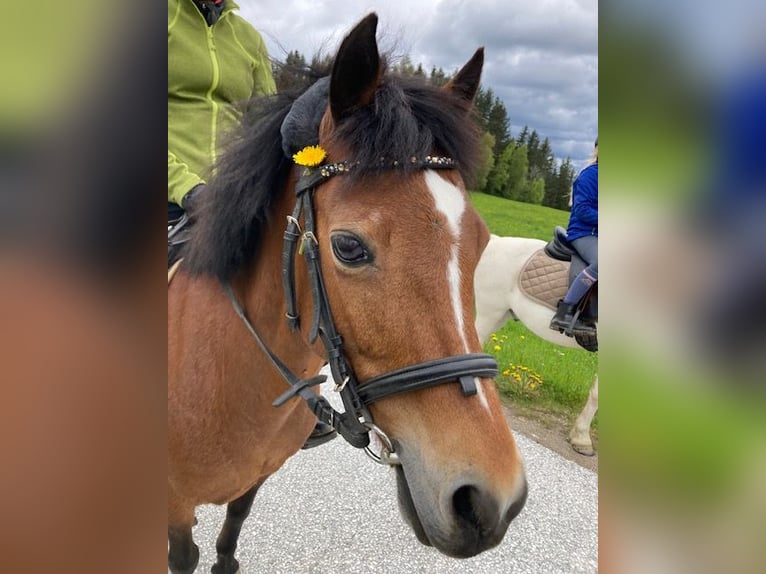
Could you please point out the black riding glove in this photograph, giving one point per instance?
(191, 200)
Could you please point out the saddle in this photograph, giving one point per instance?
(546, 277)
(559, 247)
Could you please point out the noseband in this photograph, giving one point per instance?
(355, 423)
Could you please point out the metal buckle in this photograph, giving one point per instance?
(387, 456)
(305, 238)
(340, 386)
(291, 219)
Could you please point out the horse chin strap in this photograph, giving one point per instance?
(355, 424)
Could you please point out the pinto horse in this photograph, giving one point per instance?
(385, 295)
(500, 297)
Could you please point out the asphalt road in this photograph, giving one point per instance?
(332, 510)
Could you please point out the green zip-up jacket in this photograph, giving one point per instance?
(210, 70)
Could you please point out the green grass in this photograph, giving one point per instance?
(507, 217)
(537, 373)
(534, 372)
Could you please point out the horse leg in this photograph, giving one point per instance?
(579, 437)
(236, 513)
(183, 554)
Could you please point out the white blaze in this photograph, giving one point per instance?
(450, 202)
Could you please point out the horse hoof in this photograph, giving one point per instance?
(583, 449)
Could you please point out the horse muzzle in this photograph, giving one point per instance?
(460, 517)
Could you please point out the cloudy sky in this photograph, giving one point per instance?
(541, 56)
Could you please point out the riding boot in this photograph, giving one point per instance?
(321, 434)
(564, 321)
(564, 317)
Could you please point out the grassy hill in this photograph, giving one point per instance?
(534, 372)
(506, 217)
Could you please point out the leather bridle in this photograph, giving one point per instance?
(355, 423)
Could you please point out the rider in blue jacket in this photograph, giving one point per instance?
(582, 232)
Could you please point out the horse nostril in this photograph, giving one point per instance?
(475, 508)
(461, 502)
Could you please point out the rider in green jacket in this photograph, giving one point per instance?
(216, 61)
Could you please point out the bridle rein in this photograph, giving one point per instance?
(355, 423)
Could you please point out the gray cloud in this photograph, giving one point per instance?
(541, 57)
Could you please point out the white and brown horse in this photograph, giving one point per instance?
(500, 297)
(386, 295)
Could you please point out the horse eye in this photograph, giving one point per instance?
(350, 250)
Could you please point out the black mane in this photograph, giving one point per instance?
(409, 118)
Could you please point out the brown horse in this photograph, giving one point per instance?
(386, 296)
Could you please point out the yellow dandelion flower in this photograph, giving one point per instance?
(506, 372)
(531, 385)
(497, 347)
(310, 156)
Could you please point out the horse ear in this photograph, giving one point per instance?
(466, 83)
(356, 71)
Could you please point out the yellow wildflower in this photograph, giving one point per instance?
(497, 347)
(310, 156)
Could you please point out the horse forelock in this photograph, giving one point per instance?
(409, 118)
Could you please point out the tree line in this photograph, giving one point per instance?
(521, 168)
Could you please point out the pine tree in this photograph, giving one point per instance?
(499, 125)
(533, 153)
(523, 136)
(551, 187)
(322, 64)
(291, 75)
(483, 106)
(541, 160)
(564, 191)
(438, 77)
(547, 160)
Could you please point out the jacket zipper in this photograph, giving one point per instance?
(213, 86)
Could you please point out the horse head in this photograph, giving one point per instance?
(399, 243)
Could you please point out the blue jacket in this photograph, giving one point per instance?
(584, 217)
